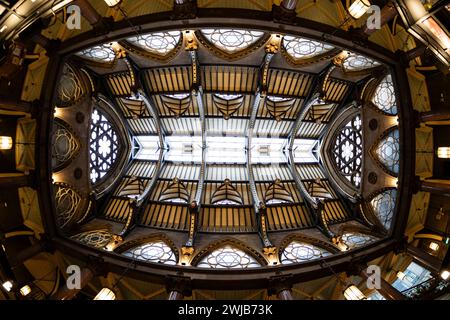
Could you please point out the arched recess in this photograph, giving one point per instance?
(73, 86)
(342, 151)
(386, 151)
(161, 46)
(231, 44)
(379, 93)
(71, 205)
(97, 238)
(65, 145)
(298, 248)
(257, 259)
(156, 248)
(109, 146)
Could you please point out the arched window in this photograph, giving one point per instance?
(354, 240)
(356, 62)
(158, 42)
(232, 40)
(103, 53)
(228, 257)
(347, 151)
(297, 252)
(277, 193)
(226, 194)
(95, 238)
(132, 187)
(228, 104)
(104, 146)
(388, 151)
(300, 48)
(175, 192)
(278, 106)
(177, 103)
(383, 205)
(384, 97)
(156, 252)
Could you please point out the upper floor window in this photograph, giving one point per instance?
(104, 146)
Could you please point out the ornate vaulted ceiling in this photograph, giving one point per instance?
(227, 132)
(181, 146)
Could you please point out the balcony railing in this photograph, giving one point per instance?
(428, 289)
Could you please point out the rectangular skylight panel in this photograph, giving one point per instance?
(225, 150)
(149, 148)
(305, 151)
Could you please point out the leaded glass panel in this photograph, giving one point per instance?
(102, 53)
(232, 40)
(388, 151)
(156, 252)
(383, 205)
(384, 97)
(96, 238)
(355, 240)
(228, 257)
(356, 62)
(347, 151)
(158, 42)
(297, 252)
(104, 146)
(300, 48)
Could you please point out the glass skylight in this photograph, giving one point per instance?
(149, 147)
(225, 149)
(306, 151)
